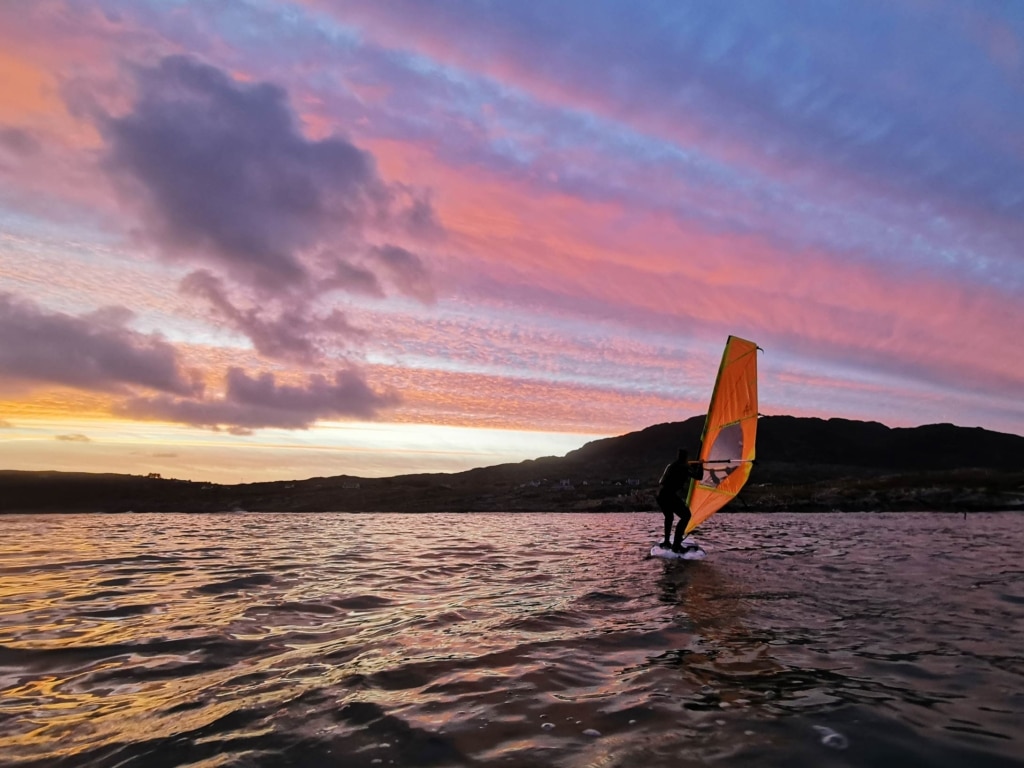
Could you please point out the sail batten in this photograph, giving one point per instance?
(730, 433)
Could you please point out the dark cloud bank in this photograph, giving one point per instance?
(221, 176)
(98, 352)
(251, 403)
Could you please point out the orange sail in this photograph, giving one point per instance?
(727, 444)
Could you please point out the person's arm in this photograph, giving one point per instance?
(665, 475)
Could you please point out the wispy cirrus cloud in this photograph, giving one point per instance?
(865, 87)
(743, 119)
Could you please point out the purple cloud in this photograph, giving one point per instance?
(95, 351)
(293, 334)
(17, 141)
(406, 271)
(352, 278)
(254, 403)
(223, 175)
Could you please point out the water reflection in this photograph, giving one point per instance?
(730, 662)
(723, 663)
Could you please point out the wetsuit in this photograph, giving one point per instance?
(674, 479)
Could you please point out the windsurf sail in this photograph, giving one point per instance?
(727, 443)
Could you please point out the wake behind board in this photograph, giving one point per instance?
(691, 551)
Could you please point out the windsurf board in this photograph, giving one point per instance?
(691, 550)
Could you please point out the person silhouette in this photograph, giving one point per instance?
(674, 479)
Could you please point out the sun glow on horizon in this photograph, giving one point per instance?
(364, 449)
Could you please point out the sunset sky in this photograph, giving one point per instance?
(260, 239)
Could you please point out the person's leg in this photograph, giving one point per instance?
(684, 519)
(666, 510)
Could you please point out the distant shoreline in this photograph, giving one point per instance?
(803, 465)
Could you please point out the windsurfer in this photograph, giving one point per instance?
(674, 479)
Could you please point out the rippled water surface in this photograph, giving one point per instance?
(513, 640)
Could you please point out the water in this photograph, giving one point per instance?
(510, 640)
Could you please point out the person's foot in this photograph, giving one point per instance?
(677, 548)
(665, 545)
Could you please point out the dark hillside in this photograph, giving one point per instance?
(802, 464)
(869, 444)
(787, 444)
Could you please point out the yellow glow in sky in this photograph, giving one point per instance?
(361, 449)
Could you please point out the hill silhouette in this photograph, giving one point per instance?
(788, 445)
(803, 464)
